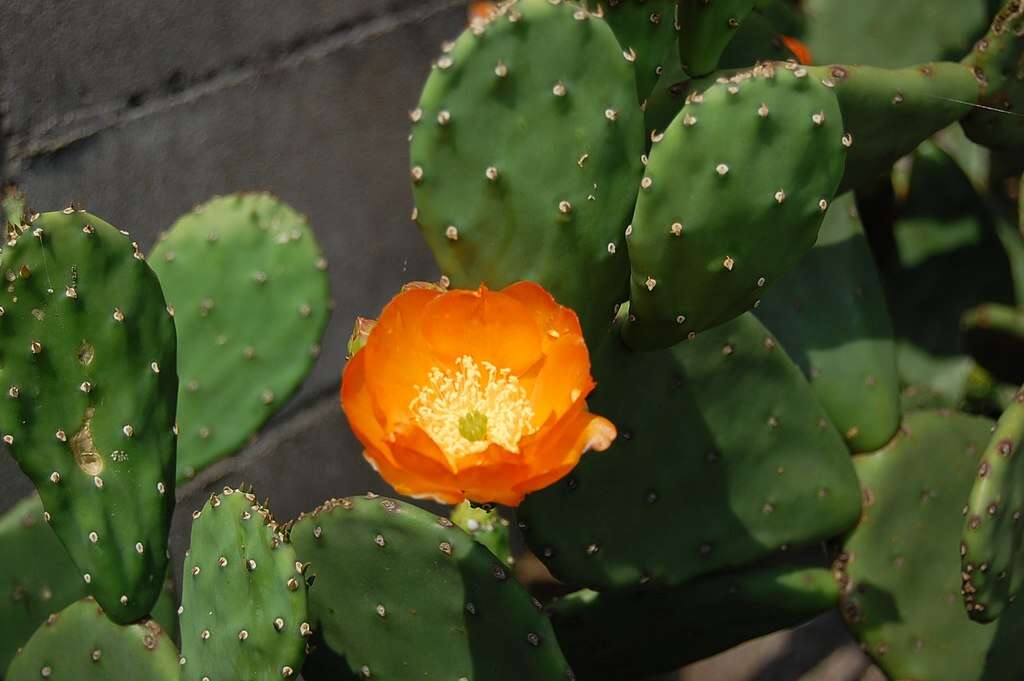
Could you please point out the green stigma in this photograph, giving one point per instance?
(473, 426)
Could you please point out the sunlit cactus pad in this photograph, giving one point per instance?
(405, 594)
(992, 550)
(37, 579)
(525, 156)
(722, 447)
(80, 644)
(89, 385)
(624, 635)
(731, 199)
(840, 334)
(243, 606)
(900, 570)
(249, 289)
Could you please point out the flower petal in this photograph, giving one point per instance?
(562, 380)
(487, 325)
(397, 355)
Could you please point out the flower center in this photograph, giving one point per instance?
(467, 409)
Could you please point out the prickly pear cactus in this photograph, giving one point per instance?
(89, 385)
(998, 62)
(80, 644)
(646, 30)
(840, 334)
(732, 198)
(706, 29)
(404, 594)
(487, 527)
(889, 112)
(39, 579)
(497, 210)
(892, 34)
(899, 569)
(624, 635)
(249, 289)
(994, 335)
(243, 605)
(12, 209)
(991, 549)
(943, 226)
(737, 461)
(756, 40)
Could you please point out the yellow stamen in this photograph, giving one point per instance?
(468, 408)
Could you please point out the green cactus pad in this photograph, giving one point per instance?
(992, 550)
(405, 594)
(900, 570)
(12, 208)
(732, 198)
(998, 61)
(888, 113)
(250, 294)
(38, 580)
(722, 447)
(495, 209)
(626, 635)
(89, 386)
(706, 29)
(994, 335)
(756, 40)
(830, 314)
(487, 527)
(243, 604)
(81, 644)
(165, 612)
(646, 29)
(892, 34)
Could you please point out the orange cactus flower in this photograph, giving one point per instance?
(482, 10)
(476, 395)
(799, 49)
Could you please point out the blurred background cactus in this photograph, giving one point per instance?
(793, 233)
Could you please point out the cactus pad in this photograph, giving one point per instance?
(89, 385)
(405, 594)
(495, 209)
(888, 113)
(994, 335)
(13, 213)
(732, 198)
(899, 570)
(992, 550)
(623, 635)
(706, 29)
(722, 446)
(80, 644)
(487, 527)
(998, 62)
(39, 579)
(246, 279)
(830, 314)
(646, 29)
(244, 611)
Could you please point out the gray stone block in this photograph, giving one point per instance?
(88, 56)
